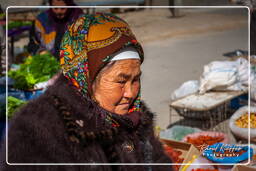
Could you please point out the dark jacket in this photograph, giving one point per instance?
(63, 127)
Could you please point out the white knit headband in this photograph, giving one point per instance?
(126, 53)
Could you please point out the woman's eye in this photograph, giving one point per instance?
(121, 82)
(136, 80)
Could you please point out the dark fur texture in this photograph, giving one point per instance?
(37, 134)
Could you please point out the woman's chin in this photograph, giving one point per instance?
(122, 109)
(121, 112)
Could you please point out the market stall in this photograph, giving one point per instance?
(212, 117)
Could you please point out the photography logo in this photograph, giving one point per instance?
(221, 150)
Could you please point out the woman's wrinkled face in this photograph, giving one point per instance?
(116, 87)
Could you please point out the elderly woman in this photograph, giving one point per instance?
(92, 113)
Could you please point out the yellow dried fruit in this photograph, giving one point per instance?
(242, 122)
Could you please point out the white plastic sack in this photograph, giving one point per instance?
(253, 93)
(238, 86)
(243, 75)
(218, 74)
(185, 89)
(241, 132)
(253, 86)
(44, 85)
(41, 85)
(225, 75)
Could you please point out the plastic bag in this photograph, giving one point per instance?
(241, 132)
(225, 75)
(41, 85)
(253, 93)
(177, 132)
(253, 85)
(243, 76)
(185, 89)
(218, 74)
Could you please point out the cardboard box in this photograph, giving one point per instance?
(243, 168)
(188, 150)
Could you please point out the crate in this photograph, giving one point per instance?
(188, 150)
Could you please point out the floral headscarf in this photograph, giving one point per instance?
(88, 45)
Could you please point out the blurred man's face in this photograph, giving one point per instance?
(59, 12)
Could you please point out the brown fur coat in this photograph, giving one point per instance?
(43, 132)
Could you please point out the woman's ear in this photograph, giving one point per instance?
(93, 91)
(94, 87)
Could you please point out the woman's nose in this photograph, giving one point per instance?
(128, 92)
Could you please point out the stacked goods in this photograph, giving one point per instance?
(242, 121)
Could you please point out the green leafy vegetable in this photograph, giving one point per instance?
(13, 105)
(35, 69)
(17, 24)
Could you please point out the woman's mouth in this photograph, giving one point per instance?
(125, 105)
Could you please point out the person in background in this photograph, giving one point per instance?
(253, 27)
(50, 26)
(252, 7)
(173, 10)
